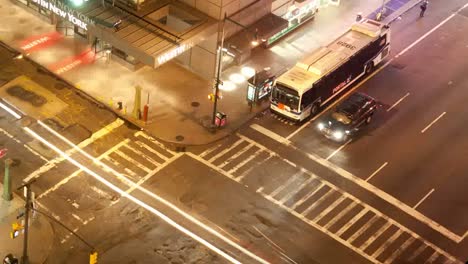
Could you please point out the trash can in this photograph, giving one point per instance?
(220, 119)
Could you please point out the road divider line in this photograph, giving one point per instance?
(338, 150)
(433, 122)
(376, 171)
(424, 198)
(9, 110)
(270, 134)
(398, 102)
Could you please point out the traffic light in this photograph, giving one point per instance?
(16, 228)
(93, 258)
(211, 97)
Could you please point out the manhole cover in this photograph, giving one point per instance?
(179, 138)
(195, 104)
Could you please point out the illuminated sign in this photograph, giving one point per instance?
(66, 12)
(173, 53)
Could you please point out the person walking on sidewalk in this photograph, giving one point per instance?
(423, 7)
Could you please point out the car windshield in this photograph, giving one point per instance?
(286, 96)
(340, 117)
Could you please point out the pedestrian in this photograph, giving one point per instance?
(423, 7)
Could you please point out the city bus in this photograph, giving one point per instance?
(323, 75)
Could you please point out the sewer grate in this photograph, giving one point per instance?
(179, 138)
(195, 104)
(399, 66)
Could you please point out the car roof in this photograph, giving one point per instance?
(351, 105)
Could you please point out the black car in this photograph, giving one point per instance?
(348, 117)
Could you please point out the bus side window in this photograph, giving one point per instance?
(307, 98)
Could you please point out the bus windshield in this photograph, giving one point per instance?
(284, 95)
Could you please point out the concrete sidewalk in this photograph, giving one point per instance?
(179, 110)
(41, 233)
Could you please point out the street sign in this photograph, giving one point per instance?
(3, 152)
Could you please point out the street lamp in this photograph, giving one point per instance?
(221, 49)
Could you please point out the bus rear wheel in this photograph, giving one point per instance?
(369, 67)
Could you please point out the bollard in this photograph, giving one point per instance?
(145, 113)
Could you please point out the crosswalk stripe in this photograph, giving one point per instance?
(117, 164)
(226, 150)
(143, 145)
(387, 243)
(134, 162)
(233, 157)
(433, 257)
(402, 248)
(290, 194)
(289, 181)
(242, 176)
(317, 202)
(363, 228)
(154, 141)
(348, 208)
(208, 151)
(375, 235)
(417, 252)
(352, 221)
(143, 155)
(312, 192)
(330, 208)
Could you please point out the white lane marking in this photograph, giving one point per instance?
(418, 251)
(312, 192)
(335, 219)
(330, 208)
(290, 194)
(260, 189)
(9, 110)
(387, 243)
(143, 145)
(424, 198)
(352, 221)
(154, 141)
(143, 155)
(233, 157)
(95, 136)
(288, 182)
(78, 218)
(270, 134)
(397, 102)
(149, 208)
(371, 188)
(376, 171)
(132, 161)
(338, 150)
(400, 250)
(101, 193)
(317, 202)
(208, 151)
(226, 150)
(433, 257)
(363, 228)
(372, 238)
(242, 163)
(433, 122)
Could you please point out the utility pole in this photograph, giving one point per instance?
(218, 75)
(25, 258)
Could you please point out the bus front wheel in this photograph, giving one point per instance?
(369, 67)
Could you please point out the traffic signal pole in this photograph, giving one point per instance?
(218, 75)
(7, 195)
(25, 258)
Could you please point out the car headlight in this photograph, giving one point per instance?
(320, 126)
(338, 134)
(347, 132)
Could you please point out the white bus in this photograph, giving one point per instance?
(311, 83)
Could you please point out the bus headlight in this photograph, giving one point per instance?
(338, 135)
(320, 126)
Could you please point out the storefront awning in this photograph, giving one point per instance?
(154, 38)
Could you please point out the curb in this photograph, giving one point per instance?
(404, 9)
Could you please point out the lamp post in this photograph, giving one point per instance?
(254, 43)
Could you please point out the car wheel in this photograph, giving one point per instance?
(368, 119)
